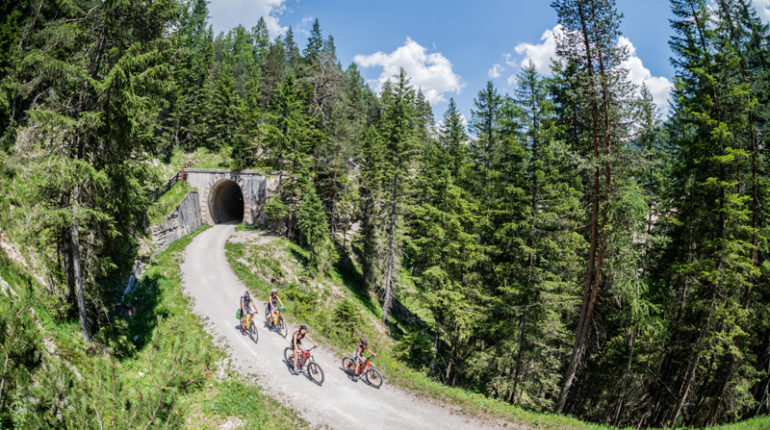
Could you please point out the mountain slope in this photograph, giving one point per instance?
(339, 402)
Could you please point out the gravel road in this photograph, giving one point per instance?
(340, 403)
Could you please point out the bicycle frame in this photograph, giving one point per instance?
(303, 357)
(249, 320)
(277, 315)
(365, 364)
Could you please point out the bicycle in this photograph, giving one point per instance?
(314, 371)
(372, 376)
(277, 324)
(251, 328)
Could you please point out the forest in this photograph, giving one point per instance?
(576, 250)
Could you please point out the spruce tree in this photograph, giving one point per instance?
(399, 127)
(712, 262)
(485, 125)
(590, 48)
(443, 243)
(89, 192)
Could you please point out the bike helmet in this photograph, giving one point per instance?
(303, 326)
(364, 342)
(273, 291)
(246, 294)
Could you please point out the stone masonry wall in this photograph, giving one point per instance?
(255, 186)
(183, 220)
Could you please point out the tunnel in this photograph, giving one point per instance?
(226, 202)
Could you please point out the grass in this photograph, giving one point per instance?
(324, 302)
(760, 423)
(201, 158)
(156, 332)
(162, 208)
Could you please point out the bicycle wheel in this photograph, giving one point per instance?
(288, 355)
(315, 373)
(373, 377)
(253, 335)
(348, 365)
(283, 329)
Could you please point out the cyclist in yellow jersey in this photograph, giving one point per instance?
(272, 304)
(248, 307)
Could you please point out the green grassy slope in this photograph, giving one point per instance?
(162, 208)
(156, 364)
(339, 311)
(201, 158)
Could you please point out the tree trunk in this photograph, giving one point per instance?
(333, 208)
(77, 275)
(431, 366)
(624, 379)
(448, 372)
(522, 340)
(578, 348)
(369, 246)
(684, 390)
(388, 297)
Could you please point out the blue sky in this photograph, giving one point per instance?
(452, 48)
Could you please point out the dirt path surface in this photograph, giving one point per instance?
(340, 403)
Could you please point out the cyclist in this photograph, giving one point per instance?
(272, 305)
(358, 356)
(248, 307)
(296, 343)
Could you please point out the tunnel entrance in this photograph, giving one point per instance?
(226, 202)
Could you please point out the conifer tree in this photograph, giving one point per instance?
(182, 121)
(444, 244)
(313, 228)
(712, 259)
(453, 137)
(221, 114)
(485, 124)
(370, 203)
(541, 235)
(291, 52)
(89, 194)
(261, 41)
(399, 126)
(248, 139)
(590, 46)
(314, 44)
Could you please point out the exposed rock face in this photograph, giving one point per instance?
(183, 220)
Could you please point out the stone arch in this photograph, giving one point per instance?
(225, 202)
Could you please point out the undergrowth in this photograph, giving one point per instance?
(157, 367)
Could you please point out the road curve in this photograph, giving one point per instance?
(339, 403)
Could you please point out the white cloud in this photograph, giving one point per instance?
(542, 54)
(226, 14)
(431, 72)
(659, 86)
(494, 72)
(763, 9)
(304, 26)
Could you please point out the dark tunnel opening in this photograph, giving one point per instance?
(226, 202)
